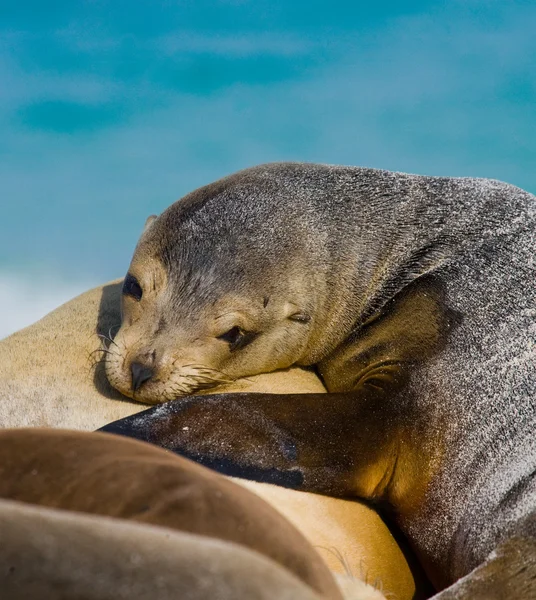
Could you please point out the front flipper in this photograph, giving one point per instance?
(329, 443)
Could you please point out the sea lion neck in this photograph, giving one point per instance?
(372, 239)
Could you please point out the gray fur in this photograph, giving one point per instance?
(350, 239)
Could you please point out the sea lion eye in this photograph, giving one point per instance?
(237, 338)
(131, 287)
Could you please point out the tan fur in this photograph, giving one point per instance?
(56, 388)
(114, 476)
(48, 369)
(59, 555)
(351, 537)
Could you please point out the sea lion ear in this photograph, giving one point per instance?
(149, 222)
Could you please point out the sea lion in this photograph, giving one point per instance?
(351, 538)
(413, 294)
(52, 370)
(52, 376)
(117, 477)
(49, 554)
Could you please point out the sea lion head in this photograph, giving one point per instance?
(221, 286)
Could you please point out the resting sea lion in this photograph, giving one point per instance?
(59, 555)
(113, 476)
(52, 377)
(351, 538)
(414, 294)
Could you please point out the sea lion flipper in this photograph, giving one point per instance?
(253, 436)
(312, 442)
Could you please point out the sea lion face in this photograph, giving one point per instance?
(198, 310)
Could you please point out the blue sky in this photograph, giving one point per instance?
(111, 110)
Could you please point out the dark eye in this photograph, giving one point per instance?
(237, 338)
(131, 287)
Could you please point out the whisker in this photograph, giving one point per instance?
(209, 372)
(193, 377)
(116, 327)
(106, 338)
(340, 557)
(103, 350)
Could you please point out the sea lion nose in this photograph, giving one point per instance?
(140, 374)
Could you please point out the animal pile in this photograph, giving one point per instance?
(410, 300)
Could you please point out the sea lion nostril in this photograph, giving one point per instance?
(140, 374)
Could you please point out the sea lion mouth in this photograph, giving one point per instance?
(193, 378)
(151, 384)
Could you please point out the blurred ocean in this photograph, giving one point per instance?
(111, 110)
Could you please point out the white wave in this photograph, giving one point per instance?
(25, 299)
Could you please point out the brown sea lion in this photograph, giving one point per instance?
(112, 476)
(49, 554)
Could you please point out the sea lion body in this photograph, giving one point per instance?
(416, 294)
(125, 479)
(351, 538)
(52, 371)
(60, 555)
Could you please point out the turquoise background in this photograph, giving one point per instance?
(111, 110)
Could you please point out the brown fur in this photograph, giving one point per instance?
(106, 475)
(58, 555)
